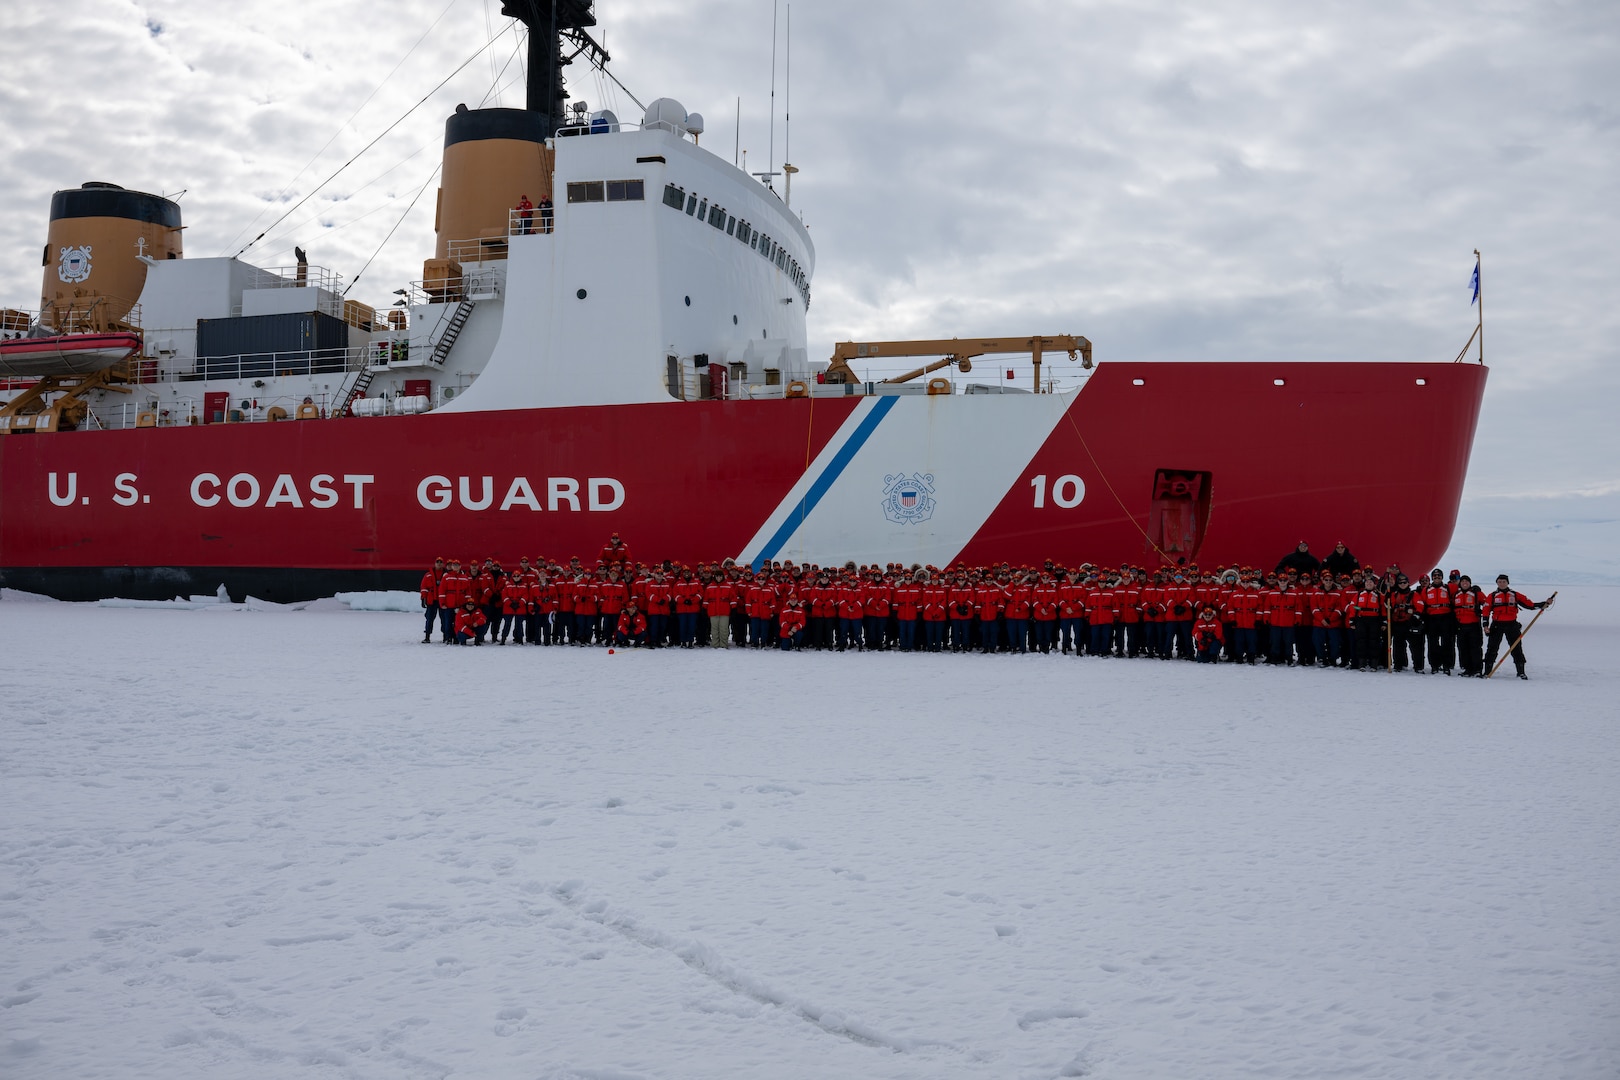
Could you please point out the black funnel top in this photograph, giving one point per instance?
(550, 22)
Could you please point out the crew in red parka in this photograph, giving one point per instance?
(470, 622)
(429, 593)
(1504, 605)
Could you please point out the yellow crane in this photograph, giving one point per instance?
(956, 351)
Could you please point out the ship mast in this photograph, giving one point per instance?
(553, 23)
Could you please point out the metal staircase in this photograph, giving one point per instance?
(447, 340)
(362, 382)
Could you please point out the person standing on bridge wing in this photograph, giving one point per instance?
(525, 213)
(1504, 605)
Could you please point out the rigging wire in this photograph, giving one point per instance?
(341, 127)
(304, 224)
(375, 141)
(495, 88)
(354, 280)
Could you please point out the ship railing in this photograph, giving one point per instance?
(86, 315)
(189, 411)
(297, 277)
(271, 365)
(16, 322)
(479, 283)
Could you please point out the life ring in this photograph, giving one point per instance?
(939, 386)
(797, 388)
(306, 411)
(274, 413)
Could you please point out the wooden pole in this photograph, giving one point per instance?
(1522, 636)
(1478, 269)
(1389, 636)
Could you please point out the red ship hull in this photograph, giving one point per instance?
(1264, 455)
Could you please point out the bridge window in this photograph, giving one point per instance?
(691, 204)
(626, 191)
(587, 192)
(731, 226)
(674, 197)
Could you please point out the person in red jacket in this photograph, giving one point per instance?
(1433, 603)
(851, 615)
(1245, 610)
(717, 601)
(936, 606)
(429, 593)
(1282, 613)
(1100, 615)
(760, 605)
(1207, 636)
(470, 622)
(611, 596)
(687, 597)
(1073, 630)
(1019, 607)
(587, 612)
(1504, 605)
(1468, 609)
(1178, 618)
(876, 596)
(1365, 614)
(659, 597)
(790, 626)
(615, 551)
(1043, 609)
(907, 597)
(454, 589)
(514, 609)
(630, 627)
(990, 599)
(962, 603)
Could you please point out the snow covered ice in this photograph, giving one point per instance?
(248, 842)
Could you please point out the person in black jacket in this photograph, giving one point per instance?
(1300, 560)
(1340, 561)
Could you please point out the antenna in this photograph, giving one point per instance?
(736, 147)
(770, 161)
(787, 104)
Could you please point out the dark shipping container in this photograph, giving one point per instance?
(262, 346)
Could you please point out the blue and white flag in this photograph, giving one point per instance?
(1474, 285)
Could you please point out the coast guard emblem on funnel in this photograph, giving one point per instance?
(910, 498)
(75, 265)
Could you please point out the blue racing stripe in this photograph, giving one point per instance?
(826, 480)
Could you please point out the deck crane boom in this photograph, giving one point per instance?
(956, 351)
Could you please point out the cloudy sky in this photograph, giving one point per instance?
(1176, 180)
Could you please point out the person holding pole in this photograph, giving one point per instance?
(1503, 606)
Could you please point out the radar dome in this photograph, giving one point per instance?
(694, 124)
(666, 113)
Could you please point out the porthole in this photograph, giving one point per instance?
(1423, 382)
(688, 301)
(1138, 382)
(580, 294)
(1279, 382)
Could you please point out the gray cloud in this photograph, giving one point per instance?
(1177, 180)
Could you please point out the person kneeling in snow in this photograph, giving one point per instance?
(1207, 636)
(632, 628)
(790, 626)
(470, 620)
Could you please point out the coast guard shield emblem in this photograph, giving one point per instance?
(909, 499)
(75, 264)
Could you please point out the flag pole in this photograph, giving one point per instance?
(1481, 325)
